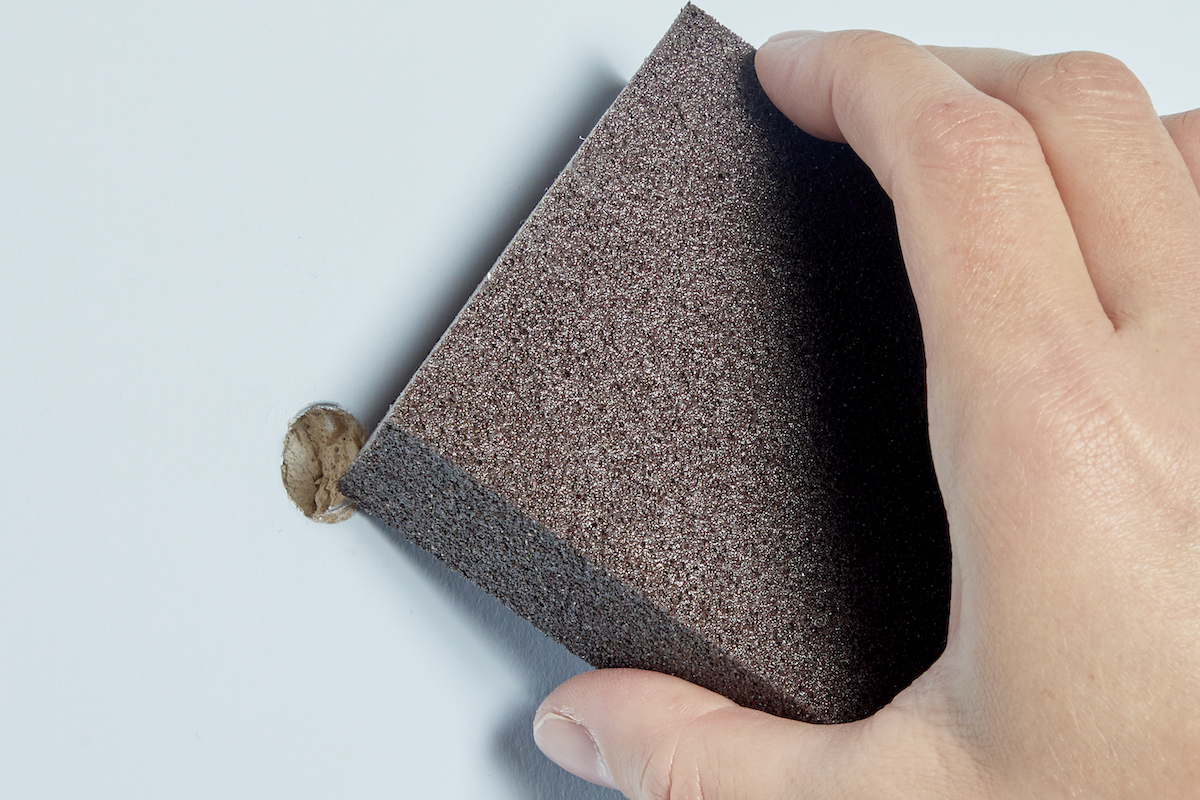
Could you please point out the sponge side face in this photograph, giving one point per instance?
(681, 424)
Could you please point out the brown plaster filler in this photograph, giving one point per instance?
(319, 445)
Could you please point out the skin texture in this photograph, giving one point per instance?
(1050, 222)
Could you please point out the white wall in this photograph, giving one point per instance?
(214, 213)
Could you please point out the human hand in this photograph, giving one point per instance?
(1050, 224)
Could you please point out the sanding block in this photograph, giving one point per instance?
(681, 424)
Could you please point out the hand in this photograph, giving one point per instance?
(1050, 223)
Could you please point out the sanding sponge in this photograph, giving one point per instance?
(681, 424)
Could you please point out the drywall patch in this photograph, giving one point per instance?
(320, 443)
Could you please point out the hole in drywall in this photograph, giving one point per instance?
(318, 448)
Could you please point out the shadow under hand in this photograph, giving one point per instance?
(543, 662)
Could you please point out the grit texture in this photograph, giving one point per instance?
(681, 424)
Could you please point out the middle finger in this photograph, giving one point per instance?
(1123, 181)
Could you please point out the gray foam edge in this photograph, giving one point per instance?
(540, 577)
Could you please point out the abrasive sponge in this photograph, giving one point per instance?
(681, 424)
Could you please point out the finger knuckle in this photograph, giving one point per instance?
(1082, 80)
(868, 45)
(1186, 127)
(865, 54)
(965, 132)
(688, 772)
(673, 782)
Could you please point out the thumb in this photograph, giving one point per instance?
(655, 737)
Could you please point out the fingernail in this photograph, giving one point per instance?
(572, 747)
(779, 37)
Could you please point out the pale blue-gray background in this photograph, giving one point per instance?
(215, 213)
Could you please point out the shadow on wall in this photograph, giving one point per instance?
(596, 88)
(543, 662)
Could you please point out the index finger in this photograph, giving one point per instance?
(995, 267)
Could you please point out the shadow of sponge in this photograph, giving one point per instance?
(681, 424)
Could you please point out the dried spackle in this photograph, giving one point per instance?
(320, 444)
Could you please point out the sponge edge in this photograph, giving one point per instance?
(681, 424)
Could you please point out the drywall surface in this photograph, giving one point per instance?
(213, 214)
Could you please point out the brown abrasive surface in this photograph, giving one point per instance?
(681, 424)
